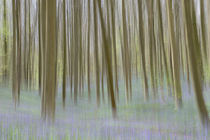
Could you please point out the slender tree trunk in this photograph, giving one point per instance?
(14, 64)
(5, 63)
(97, 76)
(64, 52)
(43, 42)
(88, 51)
(40, 46)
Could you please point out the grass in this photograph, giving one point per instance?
(155, 120)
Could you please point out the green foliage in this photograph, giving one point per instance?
(5, 32)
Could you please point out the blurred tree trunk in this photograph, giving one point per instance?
(14, 64)
(151, 43)
(142, 48)
(40, 47)
(175, 57)
(208, 35)
(76, 45)
(43, 41)
(88, 50)
(28, 57)
(195, 58)
(203, 30)
(113, 18)
(64, 52)
(5, 45)
(125, 53)
(97, 68)
(19, 50)
(25, 44)
(50, 62)
(107, 54)
(164, 65)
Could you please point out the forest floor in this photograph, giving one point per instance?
(137, 120)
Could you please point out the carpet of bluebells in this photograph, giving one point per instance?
(137, 120)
